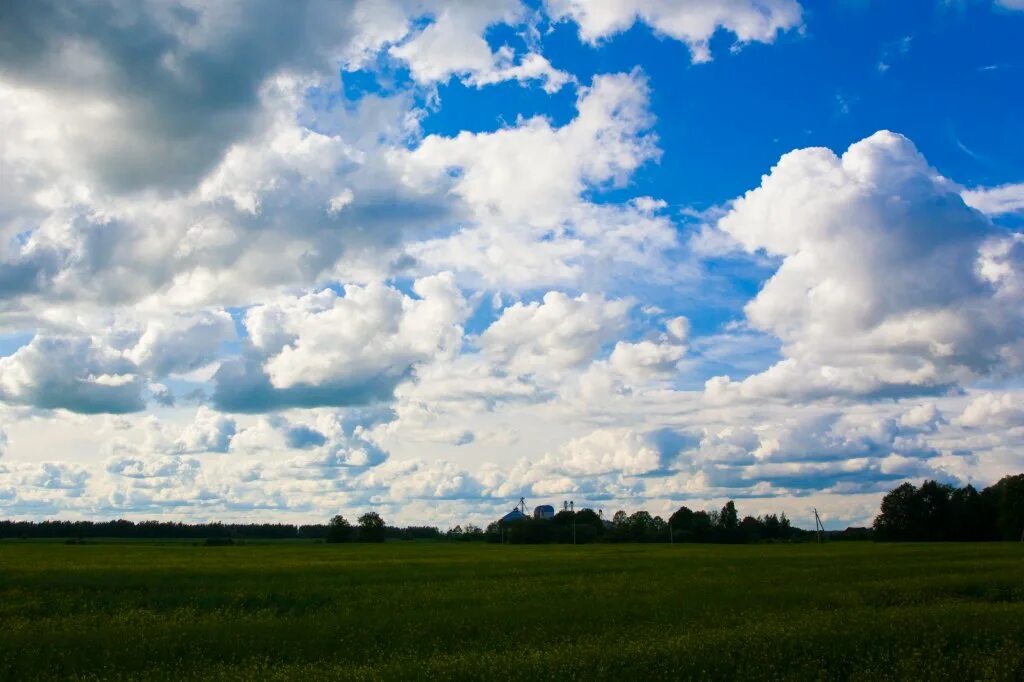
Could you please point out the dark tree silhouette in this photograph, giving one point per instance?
(728, 518)
(937, 511)
(1005, 499)
(371, 528)
(339, 530)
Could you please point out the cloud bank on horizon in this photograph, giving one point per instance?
(281, 260)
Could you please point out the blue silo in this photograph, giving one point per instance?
(544, 511)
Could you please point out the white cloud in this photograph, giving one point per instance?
(208, 432)
(991, 410)
(996, 201)
(181, 343)
(454, 43)
(693, 22)
(163, 466)
(607, 451)
(75, 374)
(326, 349)
(888, 282)
(645, 360)
(558, 333)
(521, 191)
(924, 417)
(551, 166)
(372, 331)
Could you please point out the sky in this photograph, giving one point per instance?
(278, 261)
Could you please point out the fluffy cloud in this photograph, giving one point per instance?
(140, 77)
(652, 359)
(325, 349)
(608, 451)
(552, 166)
(454, 43)
(181, 343)
(257, 186)
(888, 282)
(538, 229)
(693, 22)
(996, 201)
(993, 411)
(165, 466)
(75, 374)
(208, 432)
(110, 362)
(557, 333)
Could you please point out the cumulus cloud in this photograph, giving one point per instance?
(454, 43)
(888, 282)
(539, 229)
(142, 77)
(996, 201)
(75, 374)
(650, 359)
(163, 466)
(556, 333)
(608, 451)
(257, 185)
(208, 432)
(693, 22)
(326, 349)
(181, 343)
(994, 411)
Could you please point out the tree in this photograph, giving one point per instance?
(785, 529)
(589, 526)
(771, 527)
(682, 519)
(620, 518)
(641, 526)
(900, 515)
(371, 527)
(1005, 499)
(681, 525)
(968, 516)
(751, 529)
(935, 510)
(702, 526)
(728, 518)
(338, 530)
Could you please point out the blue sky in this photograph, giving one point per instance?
(279, 261)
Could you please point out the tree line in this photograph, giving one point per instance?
(932, 512)
(684, 525)
(122, 528)
(938, 511)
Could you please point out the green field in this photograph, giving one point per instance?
(428, 610)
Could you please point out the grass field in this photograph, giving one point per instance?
(421, 610)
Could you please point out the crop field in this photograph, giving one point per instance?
(435, 610)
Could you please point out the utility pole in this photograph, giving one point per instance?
(819, 527)
(572, 510)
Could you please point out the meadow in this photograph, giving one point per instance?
(299, 610)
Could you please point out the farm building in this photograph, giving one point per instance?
(544, 511)
(513, 516)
